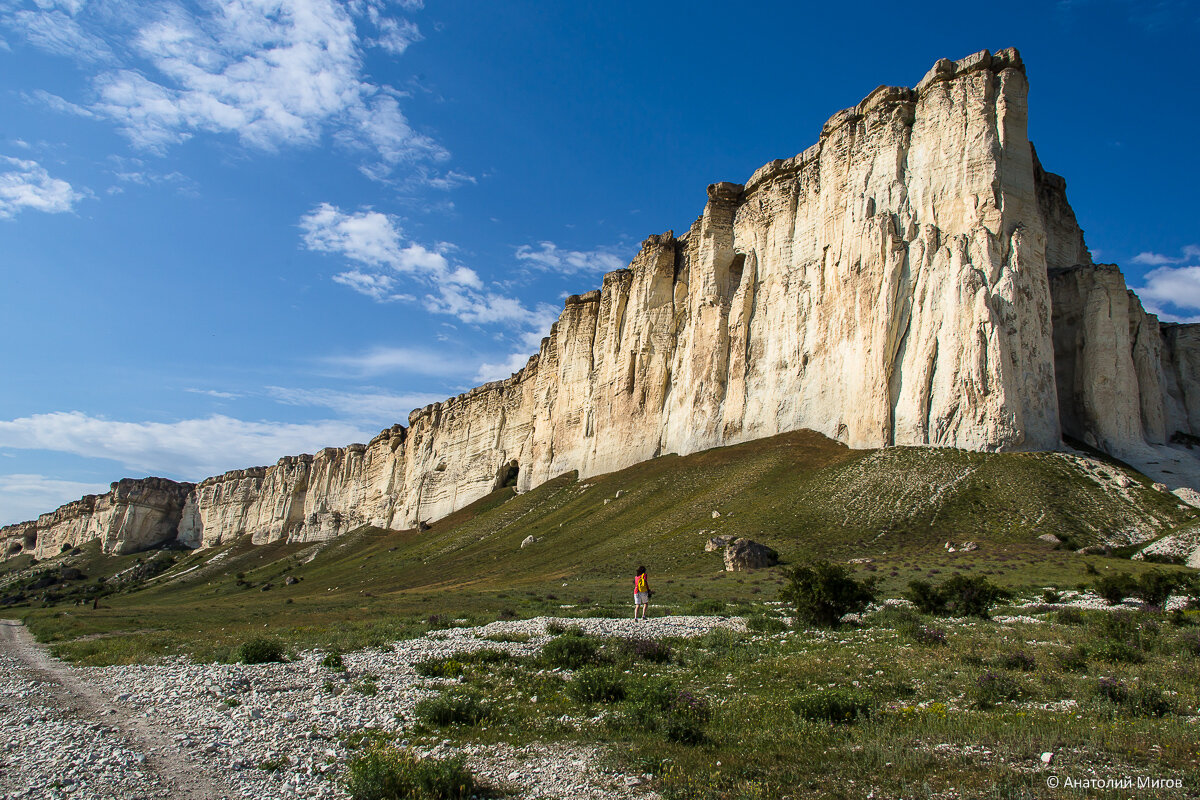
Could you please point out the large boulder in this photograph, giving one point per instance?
(744, 554)
(718, 542)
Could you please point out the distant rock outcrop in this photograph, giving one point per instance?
(913, 278)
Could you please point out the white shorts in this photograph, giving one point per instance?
(641, 598)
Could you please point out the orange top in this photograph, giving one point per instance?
(639, 582)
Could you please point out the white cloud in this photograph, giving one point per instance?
(496, 372)
(214, 393)
(56, 103)
(1190, 252)
(383, 408)
(27, 185)
(273, 74)
(383, 360)
(58, 33)
(24, 497)
(551, 258)
(1154, 259)
(195, 448)
(376, 243)
(1172, 292)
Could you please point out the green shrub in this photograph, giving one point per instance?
(651, 650)
(569, 651)
(993, 688)
(334, 661)
(1143, 701)
(843, 706)
(1119, 653)
(385, 773)
(259, 651)
(1052, 596)
(823, 593)
(916, 631)
(1073, 660)
(678, 715)
(439, 668)
(1146, 701)
(1016, 660)
(1115, 588)
(452, 708)
(957, 596)
(597, 685)
(761, 623)
(1069, 616)
(1156, 586)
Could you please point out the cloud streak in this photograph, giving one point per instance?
(194, 448)
(27, 185)
(23, 497)
(549, 257)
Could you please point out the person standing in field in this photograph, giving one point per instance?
(641, 593)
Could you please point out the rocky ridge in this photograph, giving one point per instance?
(914, 278)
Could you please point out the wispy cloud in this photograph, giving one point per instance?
(58, 33)
(382, 408)
(214, 393)
(382, 255)
(24, 497)
(1190, 252)
(194, 448)
(385, 360)
(27, 185)
(551, 258)
(272, 74)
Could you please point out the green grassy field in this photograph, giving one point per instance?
(891, 510)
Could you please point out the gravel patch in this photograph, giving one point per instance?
(269, 730)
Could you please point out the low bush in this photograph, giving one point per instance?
(1069, 616)
(1119, 653)
(761, 623)
(957, 596)
(259, 651)
(705, 607)
(1115, 588)
(822, 593)
(1051, 595)
(452, 708)
(1073, 660)
(839, 706)
(334, 661)
(570, 651)
(650, 650)
(1016, 660)
(1156, 586)
(1189, 643)
(678, 715)
(993, 688)
(916, 631)
(439, 668)
(597, 685)
(1142, 701)
(385, 773)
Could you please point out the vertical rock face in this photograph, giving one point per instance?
(132, 516)
(914, 278)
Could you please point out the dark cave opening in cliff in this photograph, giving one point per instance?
(507, 476)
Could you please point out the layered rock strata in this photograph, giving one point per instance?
(914, 278)
(133, 515)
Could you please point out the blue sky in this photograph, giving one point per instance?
(233, 230)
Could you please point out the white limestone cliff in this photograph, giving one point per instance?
(913, 278)
(133, 515)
